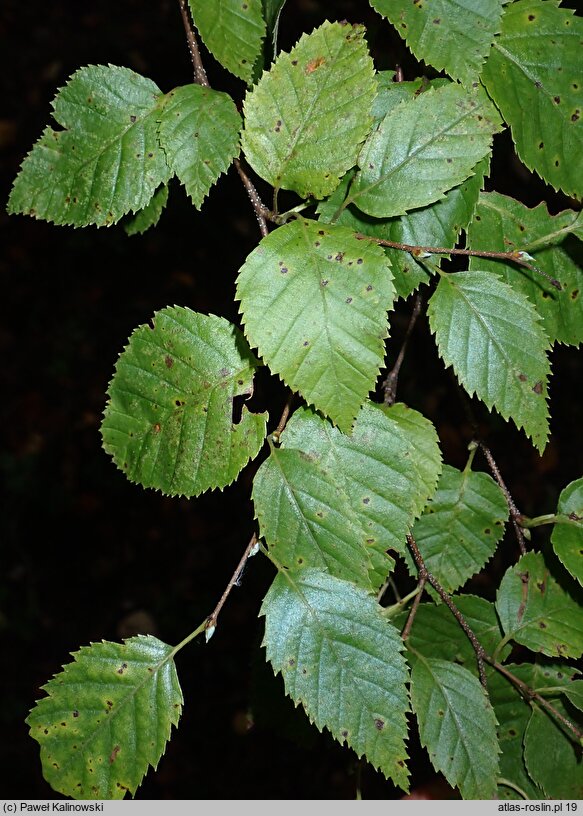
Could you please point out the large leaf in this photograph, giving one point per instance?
(512, 712)
(376, 470)
(305, 517)
(314, 302)
(233, 32)
(533, 75)
(437, 225)
(200, 134)
(457, 726)
(107, 717)
(423, 148)
(537, 612)
(545, 737)
(567, 538)
(169, 420)
(105, 162)
(492, 337)
(455, 35)
(437, 634)
(461, 526)
(306, 119)
(342, 661)
(503, 224)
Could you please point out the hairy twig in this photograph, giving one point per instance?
(200, 76)
(211, 621)
(423, 573)
(530, 694)
(261, 211)
(515, 514)
(516, 256)
(390, 382)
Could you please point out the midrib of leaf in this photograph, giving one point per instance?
(491, 336)
(109, 717)
(506, 215)
(532, 77)
(408, 158)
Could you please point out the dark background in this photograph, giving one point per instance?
(85, 555)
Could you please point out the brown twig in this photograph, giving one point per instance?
(423, 573)
(530, 694)
(514, 255)
(262, 213)
(413, 611)
(515, 513)
(211, 621)
(284, 417)
(200, 76)
(390, 383)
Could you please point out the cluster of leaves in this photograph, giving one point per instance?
(383, 164)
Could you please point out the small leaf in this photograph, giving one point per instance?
(491, 336)
(454, 35)
(437, 225)
(199, 131)
(567, 539)
(107, 717)
(376, 469)
(457, 726)
(390, 93)
(314, 302)
(232, 30)
(502, 224)
(574, 693)
(423, 148)
(150, 215)
(105, 162)
(305, 517)
(306, 119)
(461, 526)
(512, 712)
(169, 420)
(272, 12)
(342, 661)
(537, 612)
(545, 737)
(542, 104)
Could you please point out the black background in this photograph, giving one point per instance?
(85, 555)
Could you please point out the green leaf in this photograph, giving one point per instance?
(306, 119)
(232, 30)
(437, 225)
(376, 470)
(533, 75)
(537, 612)
(454, 35)
(150, 215)
(457, 726)
(272, 12)
(437, 634)
(342, 661)
(105, 162)
(314, 302)
(199, 131)
(567, 539)
(169, 420)
(512, 712)
(461, 526)
(545, 737)
(305, 517)
(390, 93)
(423, 148)
(574, 693)
(107, 717)
(502, 224)
(491, 336)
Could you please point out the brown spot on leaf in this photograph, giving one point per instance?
(168, 361)
(114, 753)
(379, 724)
(538, 387)
(313, 65)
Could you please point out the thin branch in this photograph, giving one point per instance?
(530, 694)
(413, 611)
(390, 382)
(515, 255)
(515, 514)
(423, 573)
(200, 76)
(261, 211)
(284, 417)
(211, 621)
